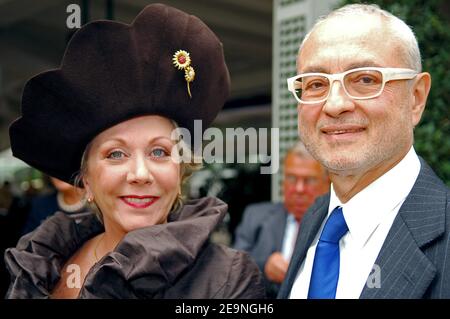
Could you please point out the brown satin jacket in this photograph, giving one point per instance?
(172, 260)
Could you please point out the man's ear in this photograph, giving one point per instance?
(420, 89)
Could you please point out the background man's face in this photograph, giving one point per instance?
(350, 136)
(304, 181)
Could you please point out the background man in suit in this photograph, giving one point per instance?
(269, 230)
(383, 231)
(66, 198)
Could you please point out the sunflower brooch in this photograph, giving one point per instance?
(182, 61)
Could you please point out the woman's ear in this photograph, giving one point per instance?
(420, 91)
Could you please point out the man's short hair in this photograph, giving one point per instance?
(397, 27)
(299, 150)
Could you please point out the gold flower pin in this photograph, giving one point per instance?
(182, 61)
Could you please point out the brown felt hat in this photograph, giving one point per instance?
(166, 62)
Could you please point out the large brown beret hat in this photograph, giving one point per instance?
(112, 72)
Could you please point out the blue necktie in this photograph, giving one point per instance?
(325, 272)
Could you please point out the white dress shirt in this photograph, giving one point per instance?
(290, 235)
(369, 216)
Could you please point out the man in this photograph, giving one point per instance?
(268, 231)
(383, 231)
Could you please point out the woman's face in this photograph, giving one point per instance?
(130, 174)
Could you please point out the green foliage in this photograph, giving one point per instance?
(432, 28)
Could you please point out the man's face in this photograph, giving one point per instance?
(355, 136)
(304, 181)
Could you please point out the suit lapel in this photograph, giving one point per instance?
(402, 267)
(309, 226)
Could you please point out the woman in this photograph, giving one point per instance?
(112, 106)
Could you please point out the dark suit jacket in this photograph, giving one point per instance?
(414, 260)
(261, 234)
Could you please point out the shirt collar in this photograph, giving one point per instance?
(367, 209)
(290, 219)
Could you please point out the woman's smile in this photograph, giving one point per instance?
(139, 201)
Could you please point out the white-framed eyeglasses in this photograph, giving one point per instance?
(359, 84)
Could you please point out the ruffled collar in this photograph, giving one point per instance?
(144, 263)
